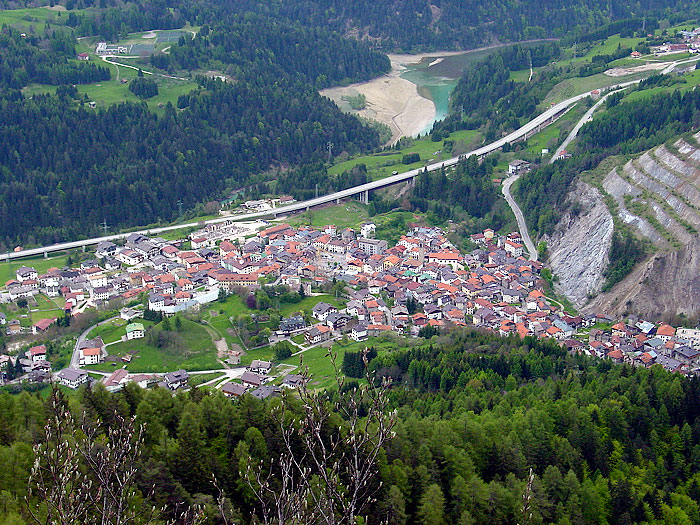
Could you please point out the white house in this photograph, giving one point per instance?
(72, 378)
(37, 353)
(26, 274)
(135, 331)
(518, 166)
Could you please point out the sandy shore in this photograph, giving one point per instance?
(392, 100)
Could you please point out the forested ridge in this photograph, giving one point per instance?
(606, 443)
(250, 43)
(418, 25)
(128, 166)
(392, 25)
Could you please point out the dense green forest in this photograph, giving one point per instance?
(466, 193)
(417, 25)
(43, 60)
(129, 166)
(236, 43)
(475, 412)
(406, 26)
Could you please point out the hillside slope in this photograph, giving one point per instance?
(658, 196)
(579, 246)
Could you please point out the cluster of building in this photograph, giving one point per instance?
(423, 281)
(76, 377)
(256, 381)
(690, 44)
(267, 204)
(643, 343)
(423, 271)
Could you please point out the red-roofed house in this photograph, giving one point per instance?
(37, 353)
(42, 326)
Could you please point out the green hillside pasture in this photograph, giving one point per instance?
(383, 164)
(35, 17)
(195, 351)
(8, 269)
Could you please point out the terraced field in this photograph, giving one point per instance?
(658, 195)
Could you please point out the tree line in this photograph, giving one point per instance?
(246, 44)
(487, 430)
(44, 60)
(465, 193)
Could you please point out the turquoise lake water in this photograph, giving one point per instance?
(436, 82)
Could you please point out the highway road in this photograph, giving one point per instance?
(578, 127)
(543, 119)
(522, 225)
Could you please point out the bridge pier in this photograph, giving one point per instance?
(46, 255)
(337, 201)
(83, 248)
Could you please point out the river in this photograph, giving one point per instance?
(436, 77)
(414, 94)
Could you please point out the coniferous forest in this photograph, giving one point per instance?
(266, 119)
(129, 166)
(486, 430)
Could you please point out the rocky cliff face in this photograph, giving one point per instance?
(666, 284)
(579, 246)
(658, 195)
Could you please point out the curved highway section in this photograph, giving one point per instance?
(522, 225)
(534, 125)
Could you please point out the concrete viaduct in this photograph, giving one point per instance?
(532, 127)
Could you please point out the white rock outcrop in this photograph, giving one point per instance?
(579, 246)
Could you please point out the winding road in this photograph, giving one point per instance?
(522, 225)
(536, 124)
(579, 125)
(75, 357)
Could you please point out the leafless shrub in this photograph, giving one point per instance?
(324, 476)
(82, 476)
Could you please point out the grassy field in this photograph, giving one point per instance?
(382, 165)
(113, 91)
(264, 354)
(114, 330)
(47, 308)
(36, 17)
(350, 214)
(198, 379)
(692, 80)
(575, 86)
(196, 352)
(522, 75)
(320, 365)
(8, 270)
(308, 303)
(541, 140)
